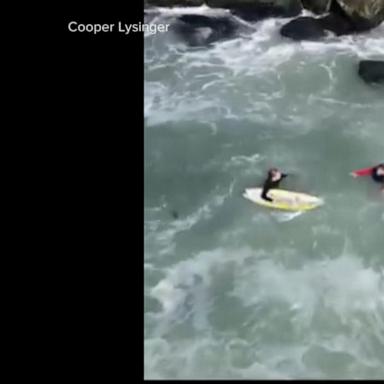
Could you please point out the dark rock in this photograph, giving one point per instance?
(200, 30)
(337, 24)
(317, 6)
(372, 71)
(303, 28)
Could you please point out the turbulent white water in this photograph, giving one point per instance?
(233, 290)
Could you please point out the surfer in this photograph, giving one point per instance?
(273, 180)
(378, 175)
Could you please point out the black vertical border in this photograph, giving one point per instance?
(100, 139)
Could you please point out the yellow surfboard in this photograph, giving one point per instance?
(286, 200)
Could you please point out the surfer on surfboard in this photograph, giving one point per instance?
(273, 180)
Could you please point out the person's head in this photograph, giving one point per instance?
(380, 169)
(273, 172)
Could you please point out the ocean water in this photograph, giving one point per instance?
(234, 290)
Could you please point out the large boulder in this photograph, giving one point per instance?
(201, 30)
(363, 14)
(372, 71)
(303, 28)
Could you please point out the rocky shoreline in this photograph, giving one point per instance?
(360, 14)
(338, 17)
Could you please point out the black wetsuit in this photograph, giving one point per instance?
(270, 184)
(376, 177)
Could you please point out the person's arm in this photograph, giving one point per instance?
(363, 172)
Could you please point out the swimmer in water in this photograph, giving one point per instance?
(378, 175)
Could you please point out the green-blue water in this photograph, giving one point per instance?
(233, 290)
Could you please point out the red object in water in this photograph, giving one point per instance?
(363, 172)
